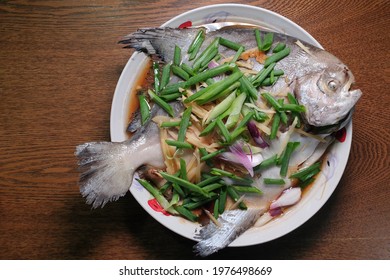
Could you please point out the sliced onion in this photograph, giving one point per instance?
(237, 155)
(288, 197)
(256, 135)
(212, 64)
(276, 211)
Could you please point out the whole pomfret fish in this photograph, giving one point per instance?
(318, 80)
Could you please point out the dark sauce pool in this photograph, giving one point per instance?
(144, 81)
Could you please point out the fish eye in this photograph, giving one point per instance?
(332, 85)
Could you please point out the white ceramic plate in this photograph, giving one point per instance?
(317, 195)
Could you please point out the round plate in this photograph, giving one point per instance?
(312, 200)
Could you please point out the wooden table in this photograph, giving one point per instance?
(59, 64)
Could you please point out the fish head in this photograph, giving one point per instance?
(327, 93)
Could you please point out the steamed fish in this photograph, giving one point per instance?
(239, 122)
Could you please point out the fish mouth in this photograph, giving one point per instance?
(355, 94)
(349, 88)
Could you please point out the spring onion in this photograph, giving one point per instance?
(186, 213)
(177, 56)
(192, 205)
(167, 108)
(208, 129)
(293, 100)
(221, 107)
(222, 200)
(291, 146)
(200, 36)
(183, 169)
(304, 184)
(180, 72)
(185, 184)
(224, 173)
(170, 124)
(171, 97)
(246, 189)
(210, 49)
(196, 46)
(185, 120)
(266, 163)
(276, 57)
(258, 39)
(293, 108)
(144, 109)
(226, 92)
(211, 155)
(268, 40)
(165, 76)
(175, 199)
(188, 69)
(203, 76)
(230, 44)
(272, 101)
(263, 74)
(279, 47)
(179, 144)
(235, 196)
(274, 181)
(310, 174)
(236, 110)
(212, 187)
(216, 88)
(250, 89)
(210, 56)
(209, 180)
(301, 174)
(157, 195)
(283, 115)
(174, 88)
(275, 126)
(216, 209)
(224, 131)
(238, 54)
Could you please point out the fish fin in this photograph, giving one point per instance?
(135, 122)
(142, 40)
(232, 224)
(106, 176)
(159, 41)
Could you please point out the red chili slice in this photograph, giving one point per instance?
(153, 203)
(186, 24)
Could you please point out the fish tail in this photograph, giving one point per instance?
(159, 41)
(232, 224)
(142, 39)
(105, 175)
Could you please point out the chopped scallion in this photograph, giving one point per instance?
(144, 109)
(273, 181)
(161, 102)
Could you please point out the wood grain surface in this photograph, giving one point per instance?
(59, 65)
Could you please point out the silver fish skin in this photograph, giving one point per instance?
(232, 224)
(108, 167)
(319, 80)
